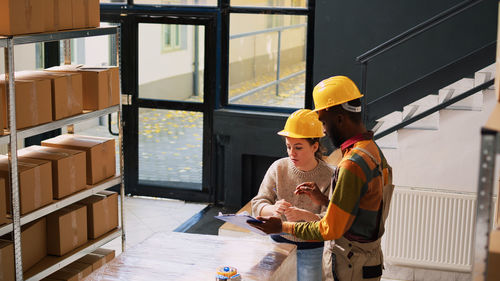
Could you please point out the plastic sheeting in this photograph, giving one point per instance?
(183, 256)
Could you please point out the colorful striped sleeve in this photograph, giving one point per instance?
(342, 208)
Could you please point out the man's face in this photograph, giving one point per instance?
(330, 126)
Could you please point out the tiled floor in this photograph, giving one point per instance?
(145, 216)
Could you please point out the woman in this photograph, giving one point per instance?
(276, 194)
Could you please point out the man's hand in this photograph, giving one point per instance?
(268, 225)
(295, 214)
(311, 189)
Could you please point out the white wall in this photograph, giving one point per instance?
(444, 159)
(155, 65)
(24, 58)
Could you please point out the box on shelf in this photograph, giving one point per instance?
(66, 91)
(73, 272)
(7, 261)
(62, 14)
(33, 242)
(3, 202)
(66, 229)
(86, 13)
(27, 16)
(102, 213)
(107, 253)
(493, 271)
(93, 260)
(100, 154)
(35, 183)
(101, 88)
(68, 167)
(33, 102)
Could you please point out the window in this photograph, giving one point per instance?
(267, 64)
(173, 38)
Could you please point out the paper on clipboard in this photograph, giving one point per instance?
(240, 220)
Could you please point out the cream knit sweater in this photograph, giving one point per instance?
(280, 181)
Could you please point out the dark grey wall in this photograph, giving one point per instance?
(245, 137)
(347, 29)
(247, 144)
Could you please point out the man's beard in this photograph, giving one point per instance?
(335, 137)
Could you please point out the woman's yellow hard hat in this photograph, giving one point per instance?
(303, 124)
(333, 91)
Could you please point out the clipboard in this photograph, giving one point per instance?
(241, 221)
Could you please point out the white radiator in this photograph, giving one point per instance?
(430, 229)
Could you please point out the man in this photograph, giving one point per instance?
(362, 190)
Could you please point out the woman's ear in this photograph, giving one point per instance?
(315, 146)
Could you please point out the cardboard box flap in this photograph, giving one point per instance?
(24, 163)
(47, 152)
(68, 209)
(71, 67)
(107, 193)
(493, 122)
(78, 141)
(4, 243)
(91, 199)
(43, 74)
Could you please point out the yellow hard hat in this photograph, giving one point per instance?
(303, 124)
(334, 91)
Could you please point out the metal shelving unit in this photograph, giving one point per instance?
(51, 264)
(490, 150)
(29, 132)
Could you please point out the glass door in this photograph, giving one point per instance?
(168, 139)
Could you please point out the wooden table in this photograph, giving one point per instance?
(194, 257)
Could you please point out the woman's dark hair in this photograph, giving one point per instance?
(319, 153)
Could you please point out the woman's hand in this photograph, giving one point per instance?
(295, 214)
(311, 189)
(280, 207)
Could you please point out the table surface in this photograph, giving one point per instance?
(183, 256)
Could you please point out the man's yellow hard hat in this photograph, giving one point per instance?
(303, 124)
(333, 91)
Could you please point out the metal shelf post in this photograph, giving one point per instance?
(13, 177)
(489, 150)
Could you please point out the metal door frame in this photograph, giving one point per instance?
(130, 18)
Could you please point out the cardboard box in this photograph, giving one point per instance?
(66, 91)
(102, 213)
(93, 260)
(62, 14)
(22, 17)
(7, 261)
(101, 87)
(108, 254)
(493, 271)
(86, 13)
(73, 272)
(33, 242)
(68, 168)
(3, 202)
(33, 101)
(66, 229)
(35, 183)
(100, 154)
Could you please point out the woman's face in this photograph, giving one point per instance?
(301, 152)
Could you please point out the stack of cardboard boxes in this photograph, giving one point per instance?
(59, 168)
(36, 16)
(63, 231)
(83, 267)
(59, 92)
